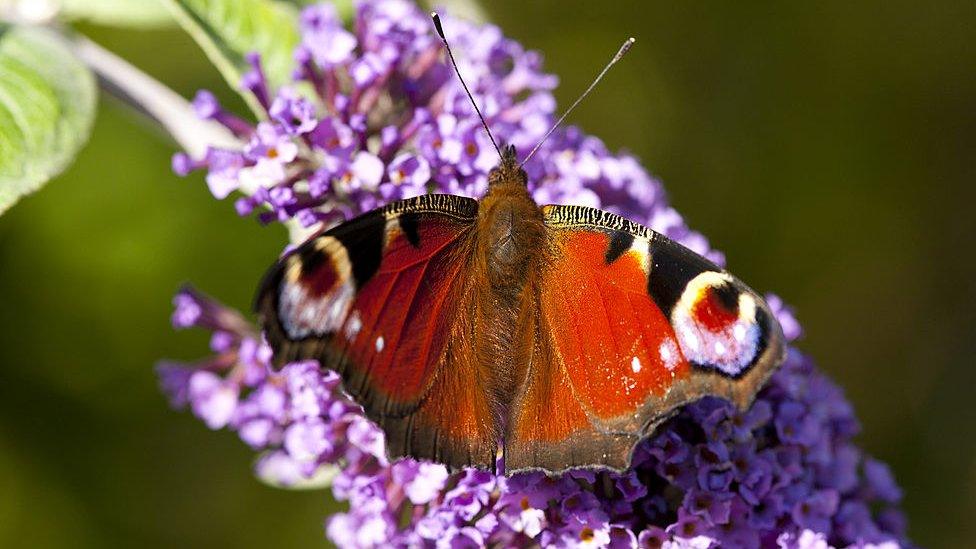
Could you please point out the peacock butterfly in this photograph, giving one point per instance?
(556, 335)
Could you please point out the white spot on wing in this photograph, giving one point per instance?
(669, 354)
(353, 326)
(719, 348)
(380, 344)
(635, 365)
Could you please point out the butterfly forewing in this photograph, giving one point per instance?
(630, 326)
(386, 301)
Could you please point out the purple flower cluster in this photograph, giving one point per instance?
(783, 473)
(376, 115)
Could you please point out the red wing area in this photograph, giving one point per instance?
(604, 352)
(550, 427)
(398, 337)
(396, 342)
(617, 347)
(398, 322)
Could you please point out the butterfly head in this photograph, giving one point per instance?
(508, 170)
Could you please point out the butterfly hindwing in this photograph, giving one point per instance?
(631, 326)
(385, 300)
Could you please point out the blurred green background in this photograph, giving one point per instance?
(827, 148)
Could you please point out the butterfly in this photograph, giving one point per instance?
(556, 336)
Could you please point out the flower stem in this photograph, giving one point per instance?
(165, 107)
(150, 97)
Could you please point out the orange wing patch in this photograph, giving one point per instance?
(550, 428)
(617, 346)
(603, 353)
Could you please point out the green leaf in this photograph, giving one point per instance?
(47, 105)
(119, 13)
(229, 29)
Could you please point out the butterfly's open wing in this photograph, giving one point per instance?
(385, 300)
(630, 326)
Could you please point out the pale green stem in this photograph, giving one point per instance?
(164, 106)
(150, 97)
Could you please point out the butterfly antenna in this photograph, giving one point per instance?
(440, 32)
(620, 53)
